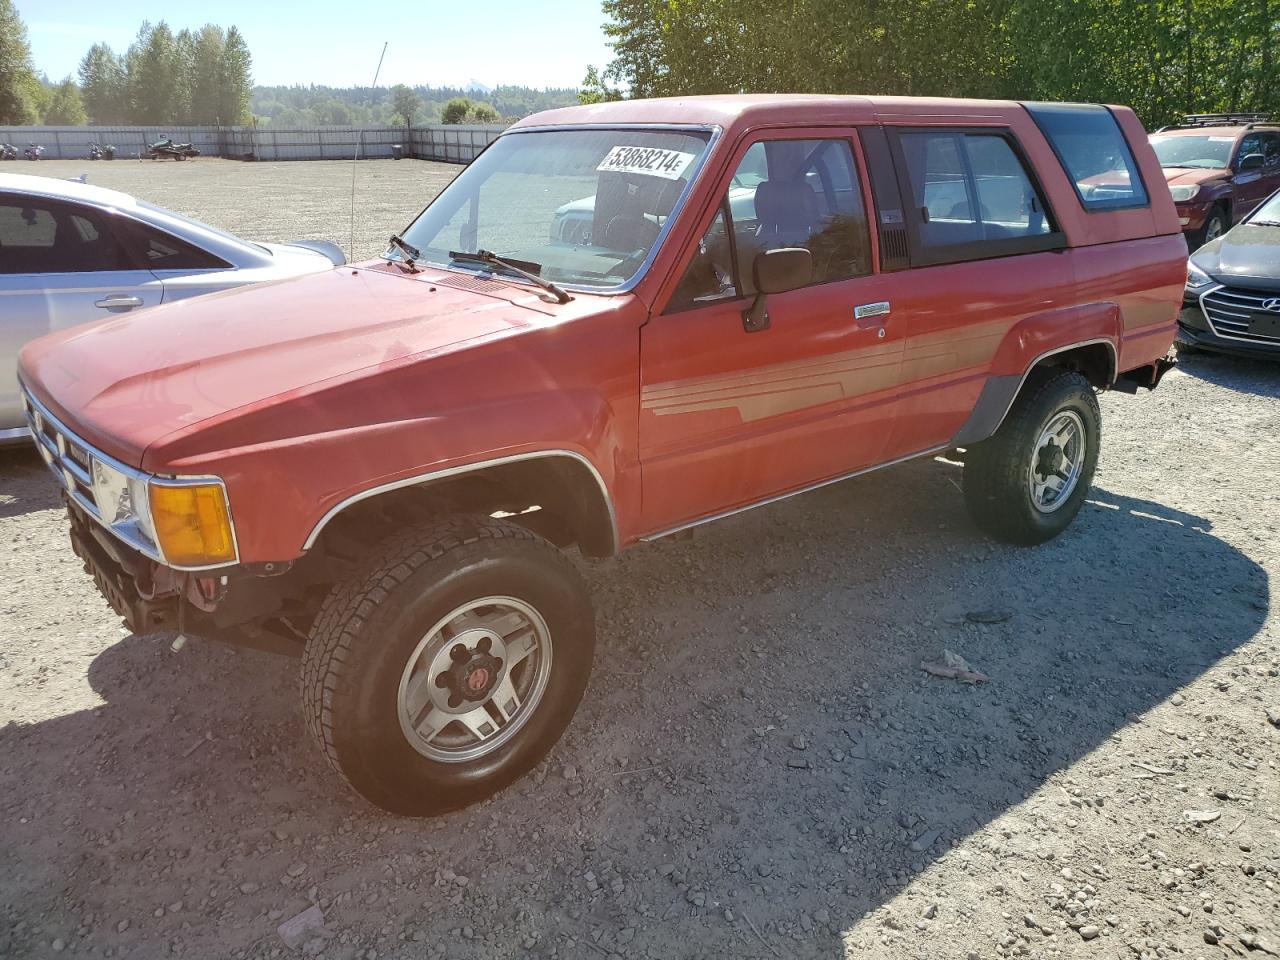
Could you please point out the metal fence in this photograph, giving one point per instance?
(455, 143)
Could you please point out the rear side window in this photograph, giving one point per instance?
(1093, 151)
(971, 197)
(163, 251)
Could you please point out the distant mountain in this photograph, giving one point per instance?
(475, 86)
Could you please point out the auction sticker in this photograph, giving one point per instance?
(650, 161)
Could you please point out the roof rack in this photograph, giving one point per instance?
(1193, 120)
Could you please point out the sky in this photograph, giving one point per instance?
(434, 42)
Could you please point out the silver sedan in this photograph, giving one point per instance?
(71, 253)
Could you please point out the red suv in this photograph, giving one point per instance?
(382, 464)
(1219, 167)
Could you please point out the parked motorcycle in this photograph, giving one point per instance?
(8, 151)
(33, 151)
(95, 152)
(165, 147)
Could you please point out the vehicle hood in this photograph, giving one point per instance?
(1180, 175)
(1247, 255)
(125, 383)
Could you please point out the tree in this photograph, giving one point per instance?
(206, 74)
(153, 66)
(595, 90)
(236, 80)
(17, 80)
(456, 110)
(104, 86)
(405, 103)
(483, 113)
(66, 108)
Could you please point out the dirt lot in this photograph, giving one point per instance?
(760, 769)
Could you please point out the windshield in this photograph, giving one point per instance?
(1193, 151)
(583, 206)
(1268, 211)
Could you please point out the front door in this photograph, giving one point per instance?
(730, 417)
(60, 265)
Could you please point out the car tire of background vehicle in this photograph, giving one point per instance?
(1050, 436)
(419, 635)
(1215, 225)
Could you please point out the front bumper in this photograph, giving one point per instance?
(1193, 214)
(121, 574)
(1194, 329)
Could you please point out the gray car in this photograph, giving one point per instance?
(71, 253)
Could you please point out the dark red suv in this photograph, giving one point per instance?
(1219, 167)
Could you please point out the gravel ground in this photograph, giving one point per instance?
(760, 768)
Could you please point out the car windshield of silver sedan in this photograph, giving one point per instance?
(580, 207)
(1268, 212)
(1209, 152)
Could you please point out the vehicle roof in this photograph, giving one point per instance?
(65, 190)
(751, 109)
(1225, 130)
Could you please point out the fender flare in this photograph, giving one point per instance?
(459, 470)
(999, 392)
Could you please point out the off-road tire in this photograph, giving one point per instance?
(369, 626)
(995, 471)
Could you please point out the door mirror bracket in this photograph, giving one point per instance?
(775, 271)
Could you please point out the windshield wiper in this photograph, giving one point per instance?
(525, 268)
(410, 253)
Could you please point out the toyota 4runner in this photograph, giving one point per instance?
(621, 321)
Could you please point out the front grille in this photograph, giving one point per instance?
(1238, 314)
(65, 453)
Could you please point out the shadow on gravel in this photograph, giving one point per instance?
(25, 482)
(1245, 374)
(757, 737)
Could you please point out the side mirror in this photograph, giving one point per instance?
(775, 271)
(1252, 161)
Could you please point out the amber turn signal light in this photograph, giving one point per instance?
(192, 524)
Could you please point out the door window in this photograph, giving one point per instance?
(52, 238)
(971, 197)
(784, 193)
(1251, 143)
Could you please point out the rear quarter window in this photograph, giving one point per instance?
(1093, 151)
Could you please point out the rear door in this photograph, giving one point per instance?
(730, 417)
(61, 264)
(984, 256)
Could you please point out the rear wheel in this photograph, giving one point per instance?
(1026, 483)
(450, 667)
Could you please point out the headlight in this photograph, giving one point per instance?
(1184, 192)
(192, 523)
(1197, 279)
(122, 500)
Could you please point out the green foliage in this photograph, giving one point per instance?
(103, 85)
(18, 84)
(456, 110)
(405, 103)
(483, 113)
(1162, 57)
(236, 80)
(595, 90)
(66, 108)
(306, 106)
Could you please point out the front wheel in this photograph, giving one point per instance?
(1026, 483)
(451, 667)
(1215, 225)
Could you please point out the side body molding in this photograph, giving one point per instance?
(473, 467)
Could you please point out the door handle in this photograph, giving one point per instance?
(118, 302)
(869, 316)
